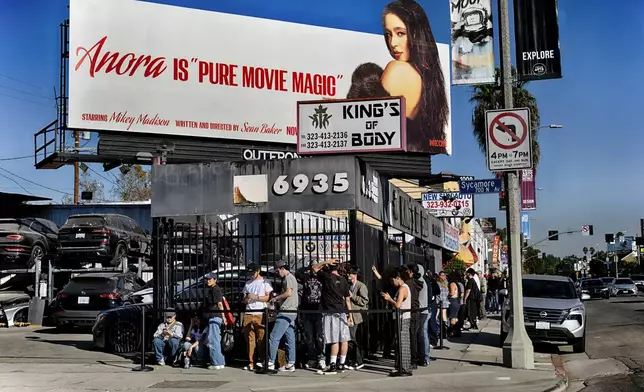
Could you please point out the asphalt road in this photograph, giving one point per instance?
(615, 336)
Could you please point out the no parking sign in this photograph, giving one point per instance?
(508, 139)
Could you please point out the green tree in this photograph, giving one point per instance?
(133, 184)
(456, 265)
(490, 97)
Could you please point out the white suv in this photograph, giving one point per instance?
(553, 311)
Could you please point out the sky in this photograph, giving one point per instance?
(588, 169)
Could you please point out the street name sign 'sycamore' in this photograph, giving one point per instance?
(494, 185)
(508, 140)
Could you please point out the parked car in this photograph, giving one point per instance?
(23, 240)
(104, 238)
(609, 282)
(119, 330)
(639, 281)
(14, 310)
(86, 295)
(553, 311)
(625, 286)
(595, 288)
(204, 240)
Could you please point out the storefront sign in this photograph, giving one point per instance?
(351, 126)
(450, 236)
(448, 205)
(256, 154)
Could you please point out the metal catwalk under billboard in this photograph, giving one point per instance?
(536, 35)
(472, 42)
(141, 67)
(528, 190)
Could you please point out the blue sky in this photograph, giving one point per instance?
(588, 170)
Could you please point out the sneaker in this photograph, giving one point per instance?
(161, 363)
(219, 367)
(288, 368)
(349, 366)
(249, 367)
(331, 369)
(259, 365)
(322, 365)
(358, 367)
(341, 368)
(186, 363)
(271, 366)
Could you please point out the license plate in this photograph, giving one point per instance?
(623, 291)
(83, 300)
(80, 235)
(542, 325)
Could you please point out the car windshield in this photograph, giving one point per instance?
(592, 283)
(623, 281)
(608, 280)
(548, 289)
(90, 284)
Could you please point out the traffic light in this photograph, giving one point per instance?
(610, 238)
(553, 235)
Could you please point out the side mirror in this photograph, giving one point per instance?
(585, 297)
(503, 292)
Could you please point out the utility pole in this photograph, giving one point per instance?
(518, 352)
(76, 168)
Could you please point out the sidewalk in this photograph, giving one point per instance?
(473, 361)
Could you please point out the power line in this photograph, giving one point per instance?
(103, 177)
(21, 81)
(25, 100)
(16, 158)
(17, 183)
(25, 92)
(31, 182)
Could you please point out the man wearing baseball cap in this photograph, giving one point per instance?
(284, 322)
(211, 310)
(167, 337)
(257, 293)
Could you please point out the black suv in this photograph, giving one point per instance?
(104, 238)
(87, 295)
(24, 240)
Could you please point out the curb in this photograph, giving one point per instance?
(560, 372)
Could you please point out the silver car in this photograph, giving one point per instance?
(639, 281)
(624, 286)
(553, 311)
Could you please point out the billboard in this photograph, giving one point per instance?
(140, 67)
(449, 205)
(488, 225)
(472, 42)
(536, 35)
(528, 190)
(343, 126)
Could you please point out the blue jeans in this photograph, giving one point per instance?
(284, 326)
(214, 341)
(160, 346)
(493, 301)
(433, 321)
(424, 334)
(195, 352)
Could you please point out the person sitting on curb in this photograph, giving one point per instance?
(191, 344)
(167, 337)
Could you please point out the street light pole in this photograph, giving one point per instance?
(518, 352)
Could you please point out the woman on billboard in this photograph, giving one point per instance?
(414, 73)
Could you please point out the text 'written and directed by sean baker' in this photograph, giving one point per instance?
(97, 60)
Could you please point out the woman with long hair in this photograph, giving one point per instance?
(415, 73)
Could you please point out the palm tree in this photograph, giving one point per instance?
(585, 250)
(592, 251)
(490, 97)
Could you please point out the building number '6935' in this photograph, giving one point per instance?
(320, 183)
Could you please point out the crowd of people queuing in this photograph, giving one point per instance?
(326, 311)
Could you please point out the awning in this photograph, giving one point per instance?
(630, 258)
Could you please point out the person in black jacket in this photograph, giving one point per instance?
(212, 311)
(472, 298)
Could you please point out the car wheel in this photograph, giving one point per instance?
(580, 346)
(37, 252)
(119, 254)
(124, 337)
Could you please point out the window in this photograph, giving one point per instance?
(94, 221)
(623, 281)
(592, 283)
(136, 228)
(548, 289)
